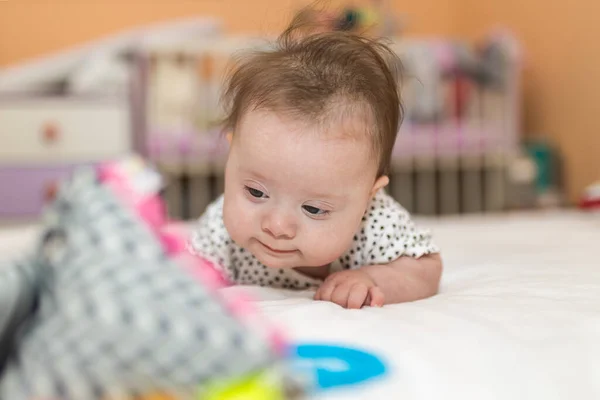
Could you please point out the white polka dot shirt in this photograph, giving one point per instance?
(385, 234)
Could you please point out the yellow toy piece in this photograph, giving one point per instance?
(254, 387)
(260, 386)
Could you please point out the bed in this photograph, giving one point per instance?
(517, 317)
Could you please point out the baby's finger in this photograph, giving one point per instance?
(325, 291)
(340, 295)
(357, 296)
(377, 297)
(317, 295)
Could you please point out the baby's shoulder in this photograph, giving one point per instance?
(386, 233)
(383, 207)
(211, 221)
(214, 209)
(383, 216)
(209, 236)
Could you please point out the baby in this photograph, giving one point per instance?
(313, 125)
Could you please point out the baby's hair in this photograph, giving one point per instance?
(322, 77)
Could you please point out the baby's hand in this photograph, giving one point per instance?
(351, 289)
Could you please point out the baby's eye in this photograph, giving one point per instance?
(255, 192)
(314, 210)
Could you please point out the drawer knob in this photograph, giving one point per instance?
(50, 191)
(50, 133)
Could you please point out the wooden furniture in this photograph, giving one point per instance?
(42, 138)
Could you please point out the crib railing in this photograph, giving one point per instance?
(453, 161)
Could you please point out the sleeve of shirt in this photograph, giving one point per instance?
(390, 233)
(211, 241)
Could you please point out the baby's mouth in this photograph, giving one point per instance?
(276, 251)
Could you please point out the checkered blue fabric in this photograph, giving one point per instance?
(116, 317)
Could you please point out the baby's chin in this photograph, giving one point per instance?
(277, 262)
(297, 261)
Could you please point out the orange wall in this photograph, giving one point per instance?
(30, 28)
(562, 80)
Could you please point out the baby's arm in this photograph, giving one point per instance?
(405, 279)
(397, 264)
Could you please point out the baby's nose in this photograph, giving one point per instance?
(280, 225)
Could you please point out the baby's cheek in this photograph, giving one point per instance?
(328, 245)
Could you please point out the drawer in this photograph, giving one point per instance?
(25, 191)
(62, 131)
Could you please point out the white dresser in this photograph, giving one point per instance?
(43, 138)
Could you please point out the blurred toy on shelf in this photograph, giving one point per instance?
(590, 200)
(376, 18)
(521, 182)
(548, 184)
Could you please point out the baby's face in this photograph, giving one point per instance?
(294, 196)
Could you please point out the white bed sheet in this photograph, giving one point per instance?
(518, 315)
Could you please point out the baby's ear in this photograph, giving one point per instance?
(229, 137)
(380, 183)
